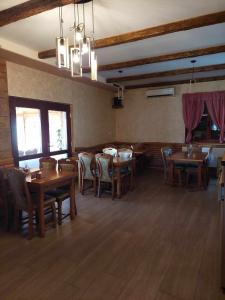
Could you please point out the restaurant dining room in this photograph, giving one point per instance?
(112, 150)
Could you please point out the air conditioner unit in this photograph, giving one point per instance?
(160, 92)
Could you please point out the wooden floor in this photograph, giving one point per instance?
(156, 243)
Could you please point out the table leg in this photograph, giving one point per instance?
(171, 172)
(79, 177)
(73, 208)
(41, 213)
(118, 183)
(199, 175)
(132, 175)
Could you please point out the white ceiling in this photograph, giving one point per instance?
(38, 33)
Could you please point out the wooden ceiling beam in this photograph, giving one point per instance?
(197, 22)
(162, 58)
(167, 73)
(30, 8)
(177, 82)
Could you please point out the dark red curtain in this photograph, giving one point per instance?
(215, 102)
(193, 108)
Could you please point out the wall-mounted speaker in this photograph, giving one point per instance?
(117, 102)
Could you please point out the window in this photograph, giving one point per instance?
(28, 124)
(206, 131)
(39, 128)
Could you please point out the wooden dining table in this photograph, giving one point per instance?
(49, 181)
(196, 158)
(118, 164)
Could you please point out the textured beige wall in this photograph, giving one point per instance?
(156, 119)
(92, 116)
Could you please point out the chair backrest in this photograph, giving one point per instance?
(87, 165)
(125, 146)
(111, 146)
(66, 164)
(165, 151)
(111, 151)
(138, 146)
(105, 166)
(48, 163)
(2, 184)
(19, 188)
(196, 149)
(125, 153)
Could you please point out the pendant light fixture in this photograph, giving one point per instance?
(62, 45)
(94, 63)
(85, 46)
(82, 54)
(75, 54)
(192, 80)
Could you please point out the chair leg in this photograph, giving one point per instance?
(59, 202)
(113, 189)
(82, 186)
(6, 216)
(30, 223)
(36, 217)
(95, 186)
(219, 193)
(54, 219)
(99, 189)
(187, 180)
(16, 219)
(180, 177)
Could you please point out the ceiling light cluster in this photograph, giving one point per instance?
(82, 54)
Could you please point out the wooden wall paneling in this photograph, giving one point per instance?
(5, 132)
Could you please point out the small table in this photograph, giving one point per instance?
(197, 158)
(52, 180)
(118, 164)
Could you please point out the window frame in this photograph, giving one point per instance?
(44, 106)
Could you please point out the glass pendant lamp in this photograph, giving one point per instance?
(192, 80)
(94, 62)
(75, 54)
(62, 46)
(85, 47)
(94, 66)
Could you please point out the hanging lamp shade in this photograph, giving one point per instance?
(62, 52)
(62, 45)
(192, 80)
(75, 62)
(85, 50)
(94, 66)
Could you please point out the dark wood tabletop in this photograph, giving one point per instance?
(50, 177)
(51, 180)
(195, 157)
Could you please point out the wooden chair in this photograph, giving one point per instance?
(125, 153)
(165, 152)
(191, 170)
(48, 163)
(87, 170)
(105, 171)
(125, 146)
(111, 151)
(220, 184)
(63, 193)
(25, 201)
(6, 198)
